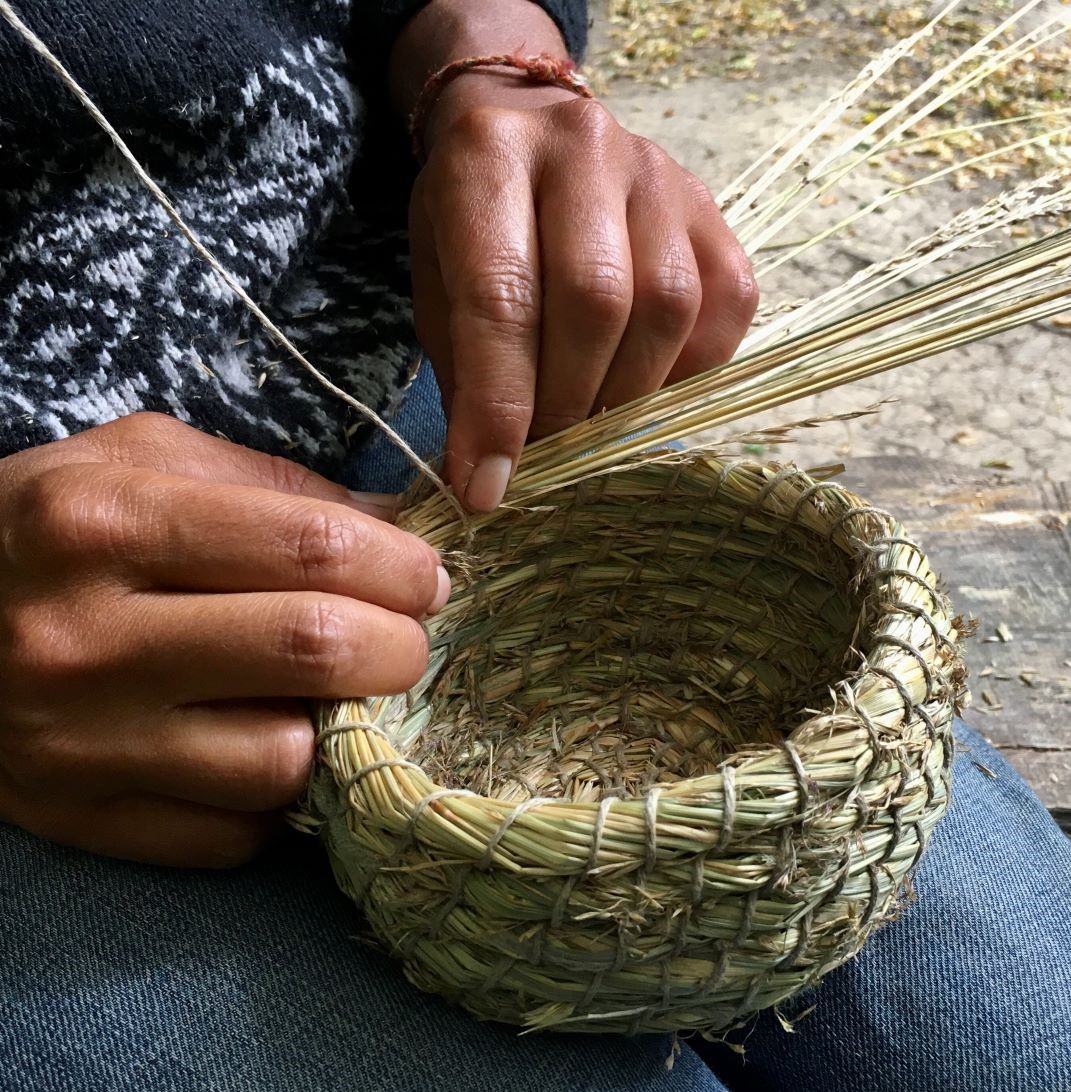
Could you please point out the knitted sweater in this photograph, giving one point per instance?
(250, 115)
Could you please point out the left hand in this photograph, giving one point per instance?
(561, 265)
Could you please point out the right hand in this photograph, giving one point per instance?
(166, 601)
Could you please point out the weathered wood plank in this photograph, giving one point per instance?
(1004, 551)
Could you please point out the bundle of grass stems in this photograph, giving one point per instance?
(686, 727)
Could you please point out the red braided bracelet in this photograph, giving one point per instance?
(541, 68)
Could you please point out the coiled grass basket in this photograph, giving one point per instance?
(686, 729)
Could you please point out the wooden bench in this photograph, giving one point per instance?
(1003, 548)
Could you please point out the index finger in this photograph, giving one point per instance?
(170, 533)
(155, 441)
(488, 249)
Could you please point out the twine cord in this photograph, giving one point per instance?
(539, 68)
(228, 278)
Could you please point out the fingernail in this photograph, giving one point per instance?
(487, 486)
(442, 593)
(384, 505)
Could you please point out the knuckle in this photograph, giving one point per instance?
(745, 290)
(675, 294)
(699, 191)
(312, 640)
(604, 286)
(287, 476)
(484, 125)
(154, 423)
(509, 410)
(38, 757)
(589, 119)
(146, 423)
(60, 511)
(46, 506)
(505, 296)
(145, 438)
(508, 414)
(37, 649)
(326, 545)
(503, 415)
(652, 163)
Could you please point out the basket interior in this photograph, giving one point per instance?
(617, 641)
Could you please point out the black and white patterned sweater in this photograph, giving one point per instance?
(258, 118)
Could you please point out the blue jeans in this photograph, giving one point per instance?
(117, 977)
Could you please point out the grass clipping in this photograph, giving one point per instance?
(687, 723)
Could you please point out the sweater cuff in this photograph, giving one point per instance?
(374, 35)
(572, 19)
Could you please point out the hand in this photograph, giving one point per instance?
(561, 265)
(166, 598)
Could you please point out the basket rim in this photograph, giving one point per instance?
(869, 709)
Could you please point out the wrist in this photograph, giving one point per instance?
(448, 30)
(484, 88)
